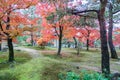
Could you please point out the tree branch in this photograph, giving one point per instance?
(116, 11)
(88, 16)
(56, 31)
(77, 12)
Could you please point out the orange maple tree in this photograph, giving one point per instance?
(58, 23)
(10, 19)
(88, 35)
(116, 39)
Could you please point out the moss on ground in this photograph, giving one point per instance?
(36, 69)
(20, 58)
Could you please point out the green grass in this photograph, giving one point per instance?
(20, 58)
(49, 66)
(36, 69)
(90, 58)
(71, 55)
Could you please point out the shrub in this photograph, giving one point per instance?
(69, 76)
(84, 75)
(90, 75)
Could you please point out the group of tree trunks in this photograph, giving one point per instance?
(105, 60)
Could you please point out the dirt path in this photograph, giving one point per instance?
(87, 67)
(36, 54)
(33, 53)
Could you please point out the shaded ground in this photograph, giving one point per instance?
(87, 59)
(21, 57)
(90, 60)
(32, 52)
(45, 65)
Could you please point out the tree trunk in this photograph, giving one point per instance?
(87, 44)
(0, 43)
(60, 41)
(87, 41)
(105, 63)
(78, 48)
(11, 51)
(32, 42)
(9, 40)
(0, 46)
(68, 43)
(75, 42)
(112, 48)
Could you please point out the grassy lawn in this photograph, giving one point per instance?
(20, 57)
(89, 58)
(36, 69)
(50, 65)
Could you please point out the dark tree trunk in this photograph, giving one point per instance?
(87, 44)
(32, 42)
(75, 42)
(112, 48)
(0, 43)
(78, 48)
(105, 63)
(9, 41)
(11, 51)
(87, 41)
(68, 44)
(60, 40)
(0, 46)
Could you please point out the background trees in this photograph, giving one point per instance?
(58, 21)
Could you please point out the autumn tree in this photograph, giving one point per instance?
(10, 19)
(57, 20)
(116, 35)
(32, 25)
(89, 35)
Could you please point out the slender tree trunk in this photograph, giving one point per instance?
(105, 63)
(87, 41)
(75, 42)
(87, 44)
(32, 42)
(11, 50)
(0, 46)
(0, 43)
(60, 41)
(68, 43)
(78, 48)
(112, 48)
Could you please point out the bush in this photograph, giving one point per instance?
(69, 76)
(84, 75)
(90, 75)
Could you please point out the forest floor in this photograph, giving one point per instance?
(32, 52)
(46, 65)
(89, 60)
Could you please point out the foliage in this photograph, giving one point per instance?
(84, 75)
(69, 76)
(89, 75)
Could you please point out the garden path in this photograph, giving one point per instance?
(33, 53)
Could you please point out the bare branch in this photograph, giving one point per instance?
(56, 31)
(77, 12)
(116, 11)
